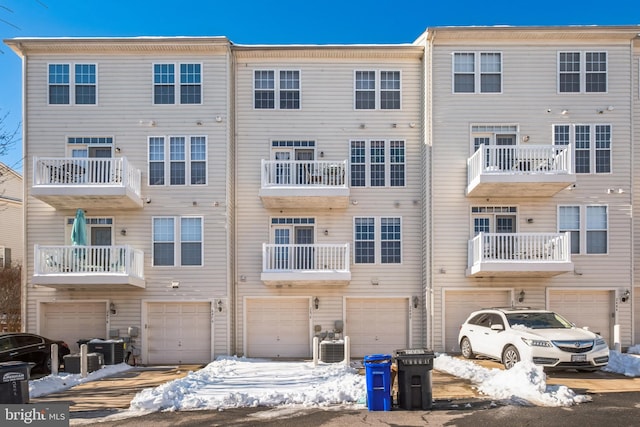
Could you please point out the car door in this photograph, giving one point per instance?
(493, 342)
(478, 333)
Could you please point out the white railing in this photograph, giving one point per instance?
(71, 171)
(519, 247)
(122, 260)
(519, 159)
(304, 173)
(313, 257)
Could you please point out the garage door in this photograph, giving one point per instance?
(72, 321)
(278, 327)
(377, 325)
(585, 308)
(459, 304)
(178, 333)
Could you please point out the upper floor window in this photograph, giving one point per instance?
(477, 72)
(377, 163)
(377, 240)
(72, 84)
(164, 84)
(377, 90)
(582, 72)
(587, 226)
(183, 160)
(177, 241)
(283, 92)
(592, 145)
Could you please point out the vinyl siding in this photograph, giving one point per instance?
(11, 231)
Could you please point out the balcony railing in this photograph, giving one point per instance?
(304, 173)
(66, 182)
(527, 170)
(303, 263)
(68, 265)
(545, 253)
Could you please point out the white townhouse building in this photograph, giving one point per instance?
(135, 135)
(530, 174)
(329, 202)
(11, 230)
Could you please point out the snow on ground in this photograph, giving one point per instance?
(232, 382)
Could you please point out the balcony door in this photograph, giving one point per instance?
(496, 138)
(93, 172)
(287, 174)
(499, 222)
(296, 257)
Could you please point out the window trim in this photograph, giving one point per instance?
(166, 139)
(592, 145)
(177, 241)
(477, 72)
(377, 240)
(387, 162)
(277, 89)
(377, 90)
(72, 84)
(583, 72)
(583, 227)
(177, 85)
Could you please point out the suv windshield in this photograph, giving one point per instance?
(538, 320)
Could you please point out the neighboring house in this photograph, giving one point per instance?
(531, 174)
(135, 132)
(11, 230)
(245, 199)
(329, 208)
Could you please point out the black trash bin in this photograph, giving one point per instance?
(14, 382)
(414, 378)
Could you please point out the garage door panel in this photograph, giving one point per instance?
(585, 308)
(377, 325)
(71, 322)
(278, 327)
(459, 304)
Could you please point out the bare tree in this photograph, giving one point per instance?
(10, 296)
(8, 135)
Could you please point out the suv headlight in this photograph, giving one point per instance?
(600, 341)
(536, 343)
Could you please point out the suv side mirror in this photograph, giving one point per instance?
(497, 327)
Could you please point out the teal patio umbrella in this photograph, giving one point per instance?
(79, 229)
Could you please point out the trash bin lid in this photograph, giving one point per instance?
(377, 357)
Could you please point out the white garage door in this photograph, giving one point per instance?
(72, 321)
(459, 304)
(278, 327)
(178, 332)
(377, 325)
(585, 308)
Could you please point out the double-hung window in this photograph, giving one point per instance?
(177, 241)
(582, 72)
(477, 72)
(186, 157)
(72, 84)
(189, 88)
(377, 240)
(377, 90)
(587, 226)
(377, 163)
(592, 145)
(272, 93)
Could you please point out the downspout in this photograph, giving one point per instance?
(231, 174)
(26, 261)
(633, 179)
(429, 41)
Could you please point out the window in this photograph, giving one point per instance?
(187, 160)
(169, 230)
(77, 88)
(377, 90)
(387, 241)
(283, 92)
(587, 226)
(377, 163)
(164, 84)
(582, 72)
(592, 146)
(477, 72)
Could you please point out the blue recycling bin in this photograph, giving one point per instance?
(378, 374)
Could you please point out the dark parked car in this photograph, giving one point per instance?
(30, 348)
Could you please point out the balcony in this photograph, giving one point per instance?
(519, 255)
(315, 264)
(89, 267)
(90, 183)
(304, 184)
(519, 171)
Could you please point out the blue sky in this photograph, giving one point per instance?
(277, 22)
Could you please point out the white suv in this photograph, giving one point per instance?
(544, 337)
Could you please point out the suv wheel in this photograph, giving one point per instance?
(467, 351)
(510, 357)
